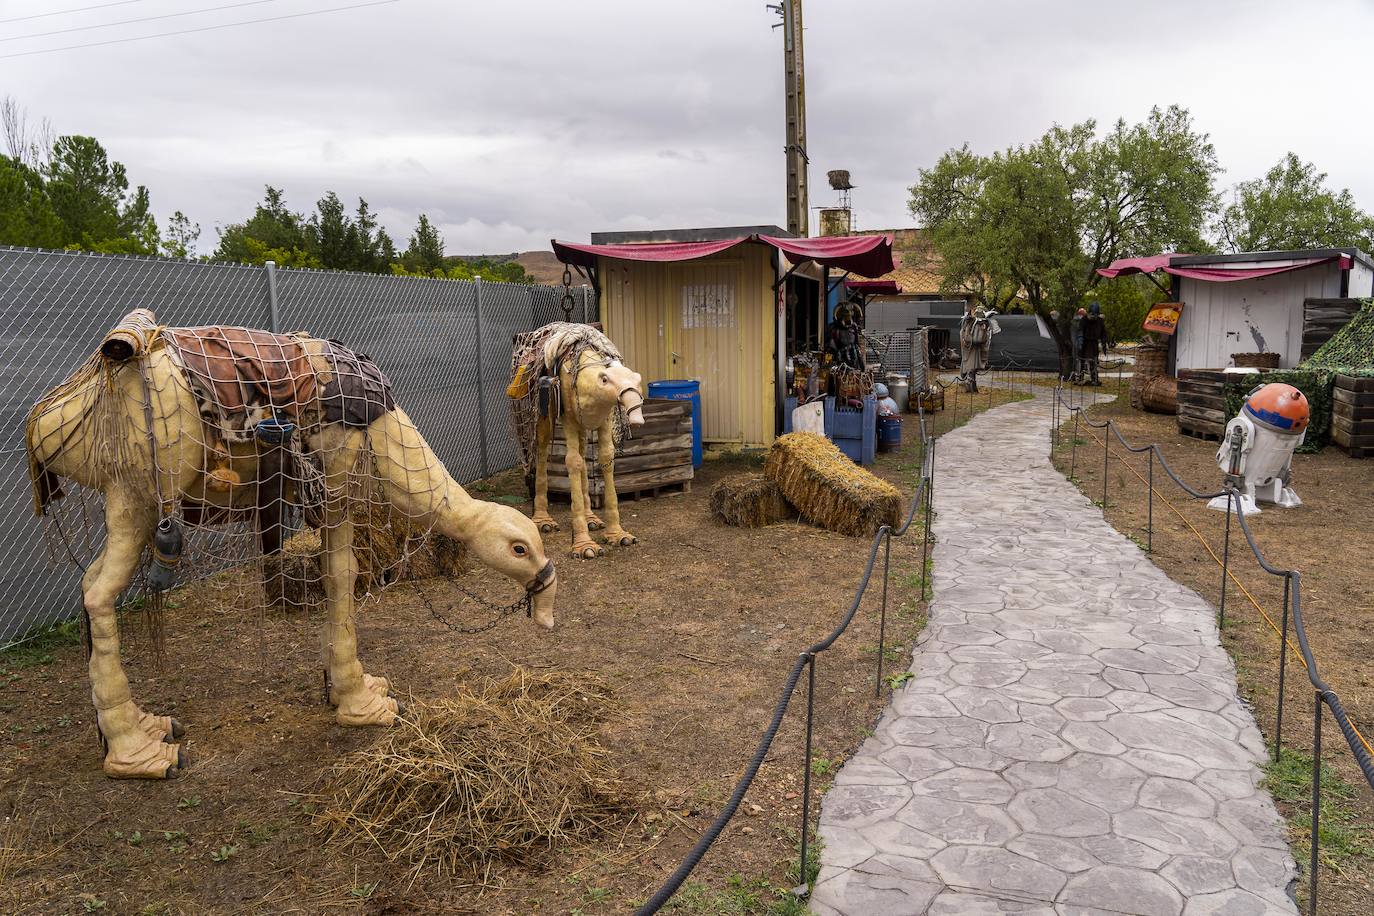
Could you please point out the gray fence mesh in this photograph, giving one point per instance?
(445, 344)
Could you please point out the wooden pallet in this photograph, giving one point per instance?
(1352, 415)
(657, 460)
(1208, 433)
(1321, 318)
(1202, 403)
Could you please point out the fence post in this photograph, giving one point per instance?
(1150, 499)
(586, 304)
(1225, 558)
(930, 498)
(274, 309)
(1316, 802)
(481, 383)
(1283, 665)
(1106, 454)
(882, 617)
(1073, 448)
(802, 889)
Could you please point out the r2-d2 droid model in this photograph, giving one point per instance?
(1256, 453)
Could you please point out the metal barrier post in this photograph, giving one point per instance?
(1283, 665)
(273, 305)
(1073, 462)
(1316, 802)
(801, 890)
(1150, 499)
(930, 499)
(1106, 454)
(1225, 558)
(882, 617)
(481, 387)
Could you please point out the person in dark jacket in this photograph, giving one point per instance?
(1094, 342)
(1076, 335)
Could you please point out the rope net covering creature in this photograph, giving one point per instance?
(545, 353)
(240, 447)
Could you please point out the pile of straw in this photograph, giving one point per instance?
(749, 501)
(505, 775)
(828, 489)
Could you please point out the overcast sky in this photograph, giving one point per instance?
(511, 122)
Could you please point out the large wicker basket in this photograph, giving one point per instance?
(1160, 395)
(1150, 360)
(1255, 360)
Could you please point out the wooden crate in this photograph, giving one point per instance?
(1322, 318)
(1202, 403)
(657, 459)
(1352, 415)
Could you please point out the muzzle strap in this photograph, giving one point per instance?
(542, 580)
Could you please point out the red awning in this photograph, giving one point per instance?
(865, 255)
(1213, 273)
(1224, 273)
(586, 255)
(1136, 265)
(874, 287)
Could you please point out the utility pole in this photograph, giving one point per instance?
(794, 85)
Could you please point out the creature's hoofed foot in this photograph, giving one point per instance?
(374, 683)
(594, 523)
(160, 728)
(619, 537)
(545, 522)
(364, 707)
(141, 756)
(587, 550)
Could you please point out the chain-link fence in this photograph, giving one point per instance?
(445, 344)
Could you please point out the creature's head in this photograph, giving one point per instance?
(508, 542)
(605, 383)
(1082, 313)
(1095, 308)
(1054, 313)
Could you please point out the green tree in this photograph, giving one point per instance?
(1041, 218)
(273, 229)
(1292, 208)
(425, 253)
(336, 238)
(179, 239)
(90, 194)
(26, 214)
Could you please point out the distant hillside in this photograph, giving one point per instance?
(543, 266)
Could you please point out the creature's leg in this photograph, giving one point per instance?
(543, 437)
(594, 522)
(359, 702)
(615, 534)
(583, 548)
(135, 741)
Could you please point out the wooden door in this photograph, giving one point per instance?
(704, 343)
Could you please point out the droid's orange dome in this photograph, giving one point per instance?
(1280, 407)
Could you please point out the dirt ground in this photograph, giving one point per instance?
(694, 629)
(1326, 539)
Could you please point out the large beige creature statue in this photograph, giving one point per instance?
(182, 427)
(574, 373)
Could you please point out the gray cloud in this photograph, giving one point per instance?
(510, 123)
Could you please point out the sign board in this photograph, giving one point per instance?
(1163, 317)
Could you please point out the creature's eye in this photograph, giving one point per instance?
(520, 550)
(605, 378)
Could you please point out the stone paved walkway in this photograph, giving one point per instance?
(1071, 741)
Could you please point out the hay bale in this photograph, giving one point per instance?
(828, 489)
(749, 501)
(506, 774)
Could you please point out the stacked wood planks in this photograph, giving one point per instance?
(658, 456)
(1352, 415)
(1322, 318)
(1202, 403)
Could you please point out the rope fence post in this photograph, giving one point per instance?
(1225, 559)
(1073, 462)
(925, 537)
(1283, 666)
(802, 889)
(1150, 500)
(882, 617)
(1106, 455)
(1316, 803)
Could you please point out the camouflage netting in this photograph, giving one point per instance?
(1350, 351)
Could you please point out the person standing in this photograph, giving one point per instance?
(1094, 342)
(975, 343)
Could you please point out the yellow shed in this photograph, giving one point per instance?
(722, 306)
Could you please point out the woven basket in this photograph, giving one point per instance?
(1255, 360)
(1160, 395)
(1149, 364)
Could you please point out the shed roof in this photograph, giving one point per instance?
(866, 255)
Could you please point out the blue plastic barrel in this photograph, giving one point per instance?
(889, 433)
(678, 389)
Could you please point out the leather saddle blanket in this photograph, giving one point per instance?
(242, 376)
